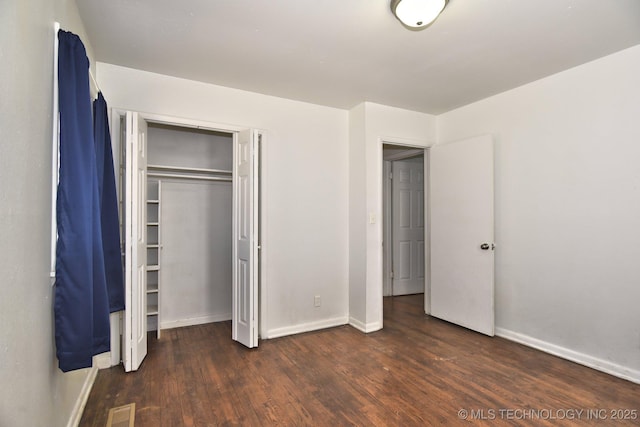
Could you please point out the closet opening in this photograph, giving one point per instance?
(189, 226)
(190, 206)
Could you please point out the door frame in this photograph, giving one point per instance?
(379, 255)
(388, 221)
(387, 232)
(115, 113)
(387, 206)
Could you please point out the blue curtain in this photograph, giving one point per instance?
(108, 206)
(81, 302)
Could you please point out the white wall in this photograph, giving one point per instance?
(306, 167)
(372, 125)
(567, 209)
(357, 217)
(196, 270)
(34, 392)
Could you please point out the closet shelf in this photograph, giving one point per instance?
(163, 168)
(152, 310)
(153, 268)
(200, 177)
(153, 246)
(177, 172)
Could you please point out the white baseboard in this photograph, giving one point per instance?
(365, 327)
(102, 361)
(574, 356)
(81, 402)
(195, 321)
(307, 327)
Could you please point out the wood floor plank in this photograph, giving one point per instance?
(417, 371)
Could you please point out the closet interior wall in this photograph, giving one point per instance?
(192, 170)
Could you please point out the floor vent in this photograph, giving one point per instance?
(122, 416)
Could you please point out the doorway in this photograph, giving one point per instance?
(236, 180)
(459, 230)
(404, 225)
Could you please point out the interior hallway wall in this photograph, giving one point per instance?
(567, 209)
(34, 392)
(370, 124)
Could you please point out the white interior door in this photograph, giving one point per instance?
(408, 226)
(135, 317)
(462, 227)
(245, 229)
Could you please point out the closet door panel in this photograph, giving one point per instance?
(135, 318)
(245, 239)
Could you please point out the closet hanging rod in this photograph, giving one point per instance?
(188, 176)
(186, 169)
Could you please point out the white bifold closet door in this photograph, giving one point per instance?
(245, 228)
(134, 334)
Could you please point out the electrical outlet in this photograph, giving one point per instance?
(316, 301)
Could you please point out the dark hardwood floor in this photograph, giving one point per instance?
(416, 371)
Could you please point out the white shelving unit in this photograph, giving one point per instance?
(154, 253)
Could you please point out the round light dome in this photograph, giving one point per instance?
(417, 13)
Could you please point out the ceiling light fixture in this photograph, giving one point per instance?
(417, 14)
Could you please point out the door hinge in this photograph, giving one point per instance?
(390, 175)
(392, 275)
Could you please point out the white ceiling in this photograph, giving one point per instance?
(343, 52)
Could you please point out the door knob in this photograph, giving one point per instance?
(485, 246)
